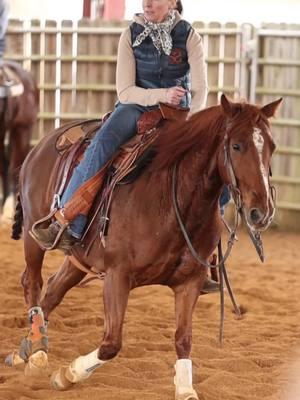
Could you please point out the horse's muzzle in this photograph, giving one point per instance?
(258, 219)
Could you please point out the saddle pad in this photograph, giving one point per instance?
(74, 132)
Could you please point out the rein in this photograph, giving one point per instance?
(239, 210)
(232, 237)
(221, 259)
(197, 257)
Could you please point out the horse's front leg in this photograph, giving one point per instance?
(116, 292)
(34, 347)
(186, 296)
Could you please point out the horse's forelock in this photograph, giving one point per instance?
(247, 116)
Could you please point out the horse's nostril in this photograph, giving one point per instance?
(255, 215)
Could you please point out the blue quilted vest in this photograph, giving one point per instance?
(154, 70)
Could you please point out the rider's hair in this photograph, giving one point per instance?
(179, 6)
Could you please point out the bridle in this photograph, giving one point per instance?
(237, 198)
(239, 211)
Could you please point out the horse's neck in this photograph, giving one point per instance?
(200, 185)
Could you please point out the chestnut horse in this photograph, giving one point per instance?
(216, 146)
(17, 117)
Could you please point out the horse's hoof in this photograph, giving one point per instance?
(59, 381)
(37, 364)
(13, 360)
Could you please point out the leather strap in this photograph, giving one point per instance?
(83, 268)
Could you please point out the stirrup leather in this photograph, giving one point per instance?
(63, 226)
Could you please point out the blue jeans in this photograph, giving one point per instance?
(116, 130)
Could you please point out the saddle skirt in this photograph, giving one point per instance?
(10, 84)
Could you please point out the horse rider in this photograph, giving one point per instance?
(160, 59)
(3, 27)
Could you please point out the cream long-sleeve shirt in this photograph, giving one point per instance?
(127, 90)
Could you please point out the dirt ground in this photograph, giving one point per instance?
(258, 360)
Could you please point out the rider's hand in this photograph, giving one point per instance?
(175, 94)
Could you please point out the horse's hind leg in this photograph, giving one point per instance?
(186, 296)
(58, 285)
(34, 347)
(116, 291)
(31, 280)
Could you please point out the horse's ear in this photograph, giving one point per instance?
(270, 109)
(229, 108)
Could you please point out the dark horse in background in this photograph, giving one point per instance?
(18, 112)
(219, 145)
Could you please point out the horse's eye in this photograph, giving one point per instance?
(236, 147)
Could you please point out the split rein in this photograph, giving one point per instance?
(239, 210)
(232, 237)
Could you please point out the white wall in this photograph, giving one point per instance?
(46, 9)
(254, 11)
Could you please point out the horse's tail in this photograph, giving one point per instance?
(18, 220)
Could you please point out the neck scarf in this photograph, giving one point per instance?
(160, 34)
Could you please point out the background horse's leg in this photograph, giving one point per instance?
(19, 145)
(116, 292)
(58, 285)
(186, 296)
(3, 167)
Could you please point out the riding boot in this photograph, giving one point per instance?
(56, 236)
(66, 231)
(210, 286)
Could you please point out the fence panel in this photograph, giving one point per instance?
(74, 64)
(278, 75)
(224, 53)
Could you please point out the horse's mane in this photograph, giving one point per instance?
(175, 138)
(202, 131)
